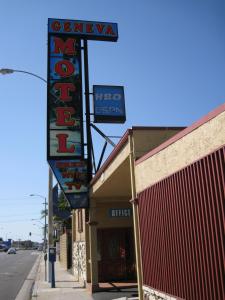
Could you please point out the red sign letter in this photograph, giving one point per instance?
(63, 116)
(109, 30)
(78, 27)
(100, 27)
(89, 28)
(64, 89)
(67, 27)
(62, 144)
(65, 47)
(64, 68)
(56, 26)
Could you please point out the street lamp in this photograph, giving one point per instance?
(10, 71)
(6, 71)
(37, 220)
(45, 203)
(37, 225)
(45, 239)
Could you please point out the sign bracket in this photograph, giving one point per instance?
(103, 135)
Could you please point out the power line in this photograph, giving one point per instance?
(16, 221)
(19, 215)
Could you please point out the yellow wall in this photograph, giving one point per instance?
(146, 140)
(63, 250)
(196, 144)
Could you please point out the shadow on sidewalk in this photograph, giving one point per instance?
(114, 290)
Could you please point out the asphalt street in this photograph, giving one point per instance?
(14, 269)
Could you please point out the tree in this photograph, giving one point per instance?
(44, 212)
(62, 209)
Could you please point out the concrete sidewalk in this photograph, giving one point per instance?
(65, 286)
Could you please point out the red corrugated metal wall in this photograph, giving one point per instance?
(182, 231)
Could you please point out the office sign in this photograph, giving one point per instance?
(90, 30)
(120, 212)
(109, 104)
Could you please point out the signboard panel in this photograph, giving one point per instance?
(90, 30)
(71, 175)
(109, 104)
(65, 146)
(65, 116)
(65, 128)
(72, 178)
(80, 200)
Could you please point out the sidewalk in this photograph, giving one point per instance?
(65, 286)
(68, 289)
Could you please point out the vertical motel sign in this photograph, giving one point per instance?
(65, 146)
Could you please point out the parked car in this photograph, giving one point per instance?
(40, 248)
(3, 248)
(11, 251)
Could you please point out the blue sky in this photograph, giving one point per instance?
(170, 57)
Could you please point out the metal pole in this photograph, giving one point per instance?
(87, 104)
(50, 223)
(45, 244)
(53, 275)
(135, 220)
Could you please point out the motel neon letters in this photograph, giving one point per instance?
(64, 98)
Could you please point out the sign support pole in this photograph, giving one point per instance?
(87, 104)
(50, 220)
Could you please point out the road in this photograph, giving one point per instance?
(14, 269)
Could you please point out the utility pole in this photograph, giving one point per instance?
(50, 222)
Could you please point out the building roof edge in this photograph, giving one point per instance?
(183, 133)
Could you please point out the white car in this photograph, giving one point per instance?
(11, 251)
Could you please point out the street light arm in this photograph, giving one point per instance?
(36, 220)
(33, 195)
(10, 71)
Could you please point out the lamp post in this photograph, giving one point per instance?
(6, 71)
(45, 227)
(45, 215)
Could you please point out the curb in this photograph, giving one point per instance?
(27, 287)
(37, 281)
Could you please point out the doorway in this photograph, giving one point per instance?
(116, 254)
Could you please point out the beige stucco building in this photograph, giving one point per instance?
(106, 241)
